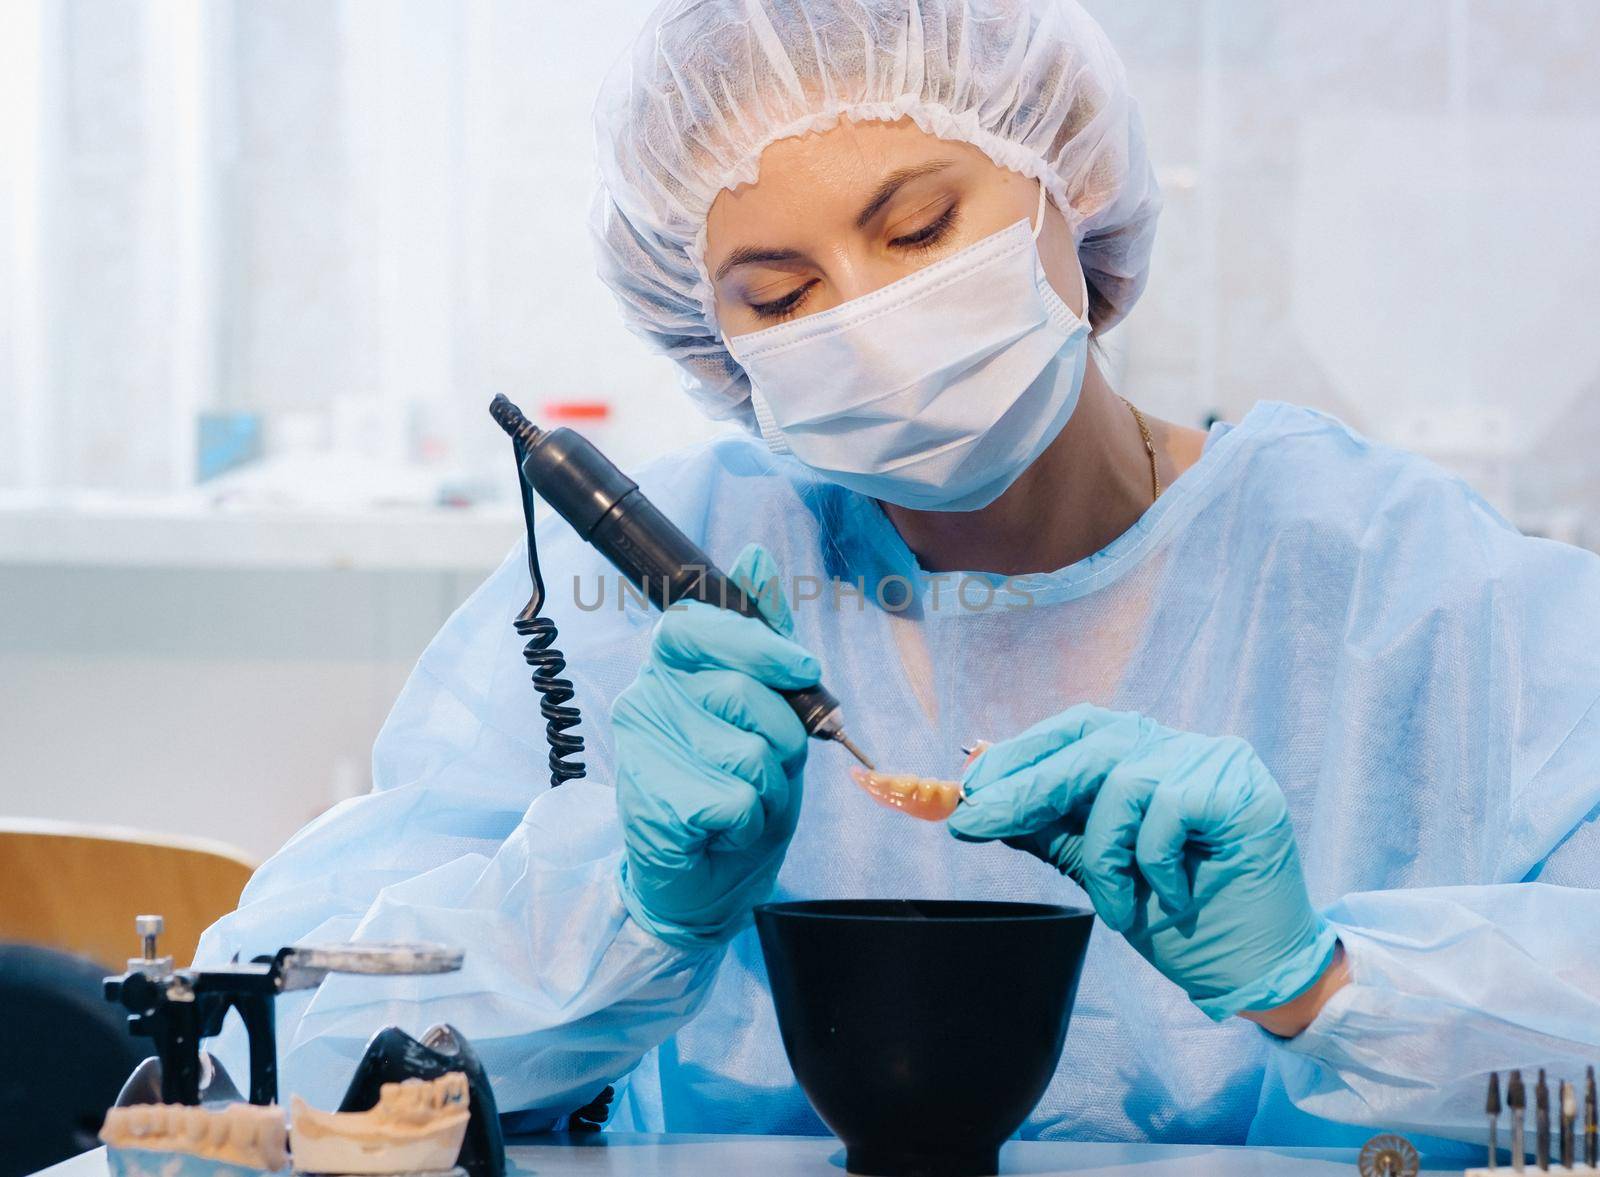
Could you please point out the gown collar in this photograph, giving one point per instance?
(872, 547)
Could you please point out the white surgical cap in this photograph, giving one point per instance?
(709, 84)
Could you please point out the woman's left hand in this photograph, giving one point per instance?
(1182, 842)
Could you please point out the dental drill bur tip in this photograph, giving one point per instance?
(1569, 1120)
(1517, 1102)
(1541, 1122)
(1492, 1109)
(1591, 1128)
(854, 751)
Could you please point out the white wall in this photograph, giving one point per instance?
(1385, 210)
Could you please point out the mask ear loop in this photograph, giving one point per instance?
(1038, 215)
(767, 423)
(1083, 278)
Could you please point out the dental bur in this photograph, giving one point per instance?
(1541, 1122)
(1492, 1108)
(1569, 1120)
(1591, 1124)
(1517, 1103)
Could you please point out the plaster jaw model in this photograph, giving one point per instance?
(238, 1134)
(417, 1127)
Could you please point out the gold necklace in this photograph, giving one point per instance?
(1149, 444)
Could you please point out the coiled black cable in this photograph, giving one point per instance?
(548, 663)
(555, 695)
(555, 690)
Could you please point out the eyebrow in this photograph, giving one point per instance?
(748, 254)
(892, 183)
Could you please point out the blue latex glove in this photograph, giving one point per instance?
(1182, 842)
(709, 759)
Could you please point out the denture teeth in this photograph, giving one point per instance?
(411, 1101)
(927, 798)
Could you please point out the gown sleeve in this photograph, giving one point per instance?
(462, 842)
(1502, 970)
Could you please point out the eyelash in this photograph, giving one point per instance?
(930, 234)
(782, 308)
(923, 239)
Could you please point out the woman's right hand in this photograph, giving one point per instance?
(709, 762)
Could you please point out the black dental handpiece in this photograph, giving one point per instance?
(606, 508)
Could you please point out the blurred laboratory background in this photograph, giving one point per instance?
(263, 263)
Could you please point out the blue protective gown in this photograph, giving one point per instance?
(1421, 679)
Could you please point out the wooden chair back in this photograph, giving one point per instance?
(77, 888)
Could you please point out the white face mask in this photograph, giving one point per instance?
(934, 392)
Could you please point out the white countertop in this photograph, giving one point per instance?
(821, 1156)
(183, 533)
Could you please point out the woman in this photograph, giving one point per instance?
(1311, 727)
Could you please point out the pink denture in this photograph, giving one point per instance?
(923, 797)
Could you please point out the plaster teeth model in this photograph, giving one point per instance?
(417, 1127)
(238, 1134)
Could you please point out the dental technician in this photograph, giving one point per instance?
(1313, 729)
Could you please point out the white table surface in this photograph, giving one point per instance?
(817, 1156)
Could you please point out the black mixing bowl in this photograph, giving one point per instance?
(923, 1031)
